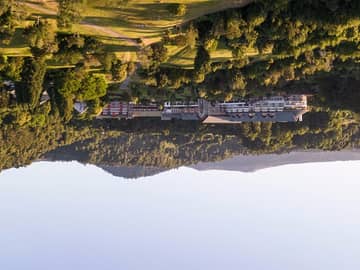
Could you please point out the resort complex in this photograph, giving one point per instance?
(270, 109)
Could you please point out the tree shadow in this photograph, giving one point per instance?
(35, 15)
(104, 21)
(143, 13)
(17, 40)
(121, 48)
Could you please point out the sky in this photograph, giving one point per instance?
(71, 216)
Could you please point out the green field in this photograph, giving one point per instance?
(120, 26)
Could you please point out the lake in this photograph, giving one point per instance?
(58, 215)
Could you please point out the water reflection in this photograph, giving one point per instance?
(70, 216)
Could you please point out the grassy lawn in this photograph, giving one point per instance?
(184, 56)
(146, 19)
(16, 47)
(119, 25)
(149, 19)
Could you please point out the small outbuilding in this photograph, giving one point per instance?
(80, 107)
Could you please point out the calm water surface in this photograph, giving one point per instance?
(69, 216)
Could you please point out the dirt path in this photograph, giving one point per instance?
(39, 8)
(109, 32)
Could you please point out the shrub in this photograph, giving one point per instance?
(177, 9)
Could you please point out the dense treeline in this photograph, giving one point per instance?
(167, 145)
(272, 42)
(23, 144)
(25, 80)
(7, 21)
(27, 137)
(65, 66)
(277, 46)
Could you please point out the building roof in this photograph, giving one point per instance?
(44, 97)
(80, 107)
(273, 109)
(146, 114)
(180, 116)
(9, 84)
(285, 116)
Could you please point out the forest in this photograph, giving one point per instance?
(48, 62)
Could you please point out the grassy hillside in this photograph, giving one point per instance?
(121, 26)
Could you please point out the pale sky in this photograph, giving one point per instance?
(68, 216)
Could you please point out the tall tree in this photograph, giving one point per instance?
(41, 38)
(69, 12)
(92, 87)
(7, 23)
(31, 86)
